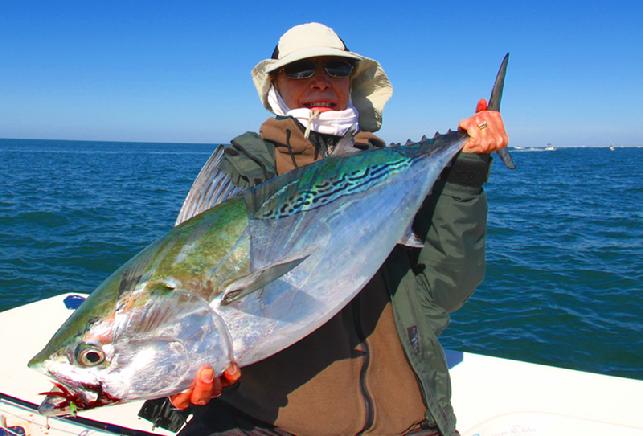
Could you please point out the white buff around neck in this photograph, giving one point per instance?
(327, 123)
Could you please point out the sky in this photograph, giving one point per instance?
(179, 71)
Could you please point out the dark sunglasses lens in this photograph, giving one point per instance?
(300, 70)
(339, 68)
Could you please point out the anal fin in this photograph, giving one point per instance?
(410, 239)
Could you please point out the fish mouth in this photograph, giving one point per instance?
(67, 400)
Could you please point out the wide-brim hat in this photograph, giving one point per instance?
(370, 87)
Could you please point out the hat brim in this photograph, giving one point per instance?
(370, 87)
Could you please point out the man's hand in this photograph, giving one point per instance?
(206, 386)
(486, 130)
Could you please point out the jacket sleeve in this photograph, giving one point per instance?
(452, 221)
(249, 160)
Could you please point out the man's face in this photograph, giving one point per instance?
(322, 91)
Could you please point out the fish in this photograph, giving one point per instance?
(242, 280)
(243, 275)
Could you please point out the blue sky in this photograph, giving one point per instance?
(171, 71)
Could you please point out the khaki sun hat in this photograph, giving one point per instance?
(370, 87)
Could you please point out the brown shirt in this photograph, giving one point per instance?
(349, 376)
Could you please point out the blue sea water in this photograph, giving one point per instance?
(564, 282)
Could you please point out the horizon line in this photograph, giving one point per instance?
(122, 141)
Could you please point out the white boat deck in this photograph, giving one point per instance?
(491, 396)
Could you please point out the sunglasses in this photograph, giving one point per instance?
(306, 69)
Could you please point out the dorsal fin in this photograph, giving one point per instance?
(211, 187)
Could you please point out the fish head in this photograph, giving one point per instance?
(142, 334)
(107, 365)
(97, 374)
(148, 347)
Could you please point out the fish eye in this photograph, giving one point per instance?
(89, 355)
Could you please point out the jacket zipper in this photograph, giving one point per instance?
(363, 348)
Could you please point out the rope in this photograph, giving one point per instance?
(313, 115)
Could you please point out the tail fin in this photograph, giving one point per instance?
(494, 105)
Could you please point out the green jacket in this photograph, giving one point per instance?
(425, 284)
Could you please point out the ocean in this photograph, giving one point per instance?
(564, 281)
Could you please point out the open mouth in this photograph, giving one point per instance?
(62, 400)
(321, 105)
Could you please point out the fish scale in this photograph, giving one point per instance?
(353, 176)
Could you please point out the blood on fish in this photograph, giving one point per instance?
(75, 401)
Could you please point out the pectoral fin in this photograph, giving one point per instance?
(257, 279)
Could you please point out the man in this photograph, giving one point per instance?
(377, 365)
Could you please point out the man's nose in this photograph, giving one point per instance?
(320, 80)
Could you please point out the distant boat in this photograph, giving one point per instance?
(612, 148)
(550, 147)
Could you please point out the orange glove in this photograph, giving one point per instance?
(482, 105)
(486, 130)
(206, 386)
